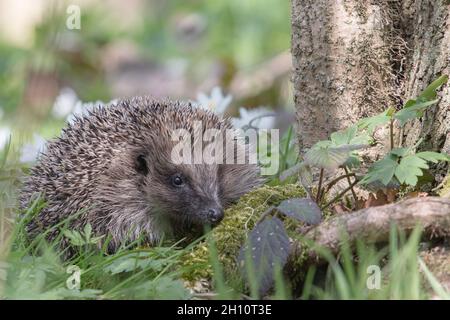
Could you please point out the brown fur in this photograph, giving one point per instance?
(93, 170)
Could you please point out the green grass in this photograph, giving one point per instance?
(36, 270)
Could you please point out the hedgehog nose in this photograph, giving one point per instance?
(215, 215)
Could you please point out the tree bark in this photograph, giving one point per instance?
(373, 224)
(355, 58)
(428, 38)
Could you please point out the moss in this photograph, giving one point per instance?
(231, 233)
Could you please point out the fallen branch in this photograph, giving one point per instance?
(373, 224)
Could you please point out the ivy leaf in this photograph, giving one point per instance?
(302, 209)
(409, 168)
(382, 170)
(267, 245)
(330, 158)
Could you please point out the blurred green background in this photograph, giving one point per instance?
(177, 48)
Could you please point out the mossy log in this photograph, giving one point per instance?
(371, 225)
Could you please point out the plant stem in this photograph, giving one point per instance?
(350, 183)
(333, 182)
(319, 189)
(339, 195)
(391, 132)
(286, 148)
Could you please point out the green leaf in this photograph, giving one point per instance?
(433, 156)
(74, 237)
(382, 170)
(413, 111)
(430, 92)
(134, 261)
(330, 158)
(371, 123)
(415, 108)
(349, 136)
(409, 168)
(400, 152)
(352, 161)
(87, 230)
(343, 136)
(267, 245)
(302, 209)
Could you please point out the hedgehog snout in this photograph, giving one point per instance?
(214, 215)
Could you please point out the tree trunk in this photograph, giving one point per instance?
(429, 57)
(354, 58)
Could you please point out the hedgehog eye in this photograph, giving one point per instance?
(177, 180)
(141, 164)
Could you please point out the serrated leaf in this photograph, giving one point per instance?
(87, 230)
(377, 185)
(413, 111)
(267, 245)
(330, 157)
(349, 136)
(400, 152)
(302, 209)
(74, 237)
(409, 168)
(134, 261)
(383, 170)
(433, 156)
(372, 122)
(344, 136)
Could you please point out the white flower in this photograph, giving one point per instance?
(217, 102)
(246, 116)
(5, 134)
(64, 103)
(30, 151)
(67, 105)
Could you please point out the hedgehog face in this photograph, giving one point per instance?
(189, 193)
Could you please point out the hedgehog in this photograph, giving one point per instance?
(114, 169)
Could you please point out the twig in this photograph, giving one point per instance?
(333, 182)
(319, 189)
(339, 195)
(349, 183)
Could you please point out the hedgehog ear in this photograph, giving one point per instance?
(141, 164)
